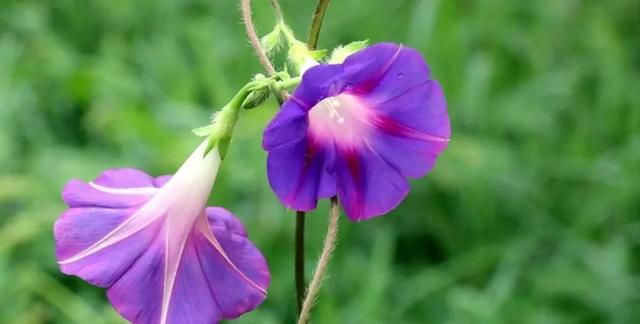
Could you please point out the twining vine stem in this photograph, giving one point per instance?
(323, 262)
(245, 6)
(316, 23)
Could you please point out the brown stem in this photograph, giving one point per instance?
(316, 23)
(245, 6)
(323, 262)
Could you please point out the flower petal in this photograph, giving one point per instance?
(80, 229)
(243, 283)
(367, 185)
(155, 250)
(408, 109)
(220, 217)
(217, 274)
(412, 158)
(290, 124)
(157, 273)
(77, 193)
(137, 294)
(192, 300)
(115, 188)
(287, 127)
(299, 173)
(395, 82)
(317, 83)
(365, 69)
(384, 120)
(162, 180)
(124, 178)
(99, 211)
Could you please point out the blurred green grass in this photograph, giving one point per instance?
(531, 216)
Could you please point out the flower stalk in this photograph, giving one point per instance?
(316, 23)
(299, 259)
(323, 262)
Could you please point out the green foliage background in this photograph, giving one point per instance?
(531, 215)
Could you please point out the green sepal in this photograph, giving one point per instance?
(340, 53)
(203, 131)
(221, 142)
(223, 146)
(272, 41)
(210, 146)
(318, 54)
(301, 57)
(220, 129)
(298, 55)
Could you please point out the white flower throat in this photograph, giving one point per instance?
(342, 118)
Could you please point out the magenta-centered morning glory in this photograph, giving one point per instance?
(358, 129)
(163, 255)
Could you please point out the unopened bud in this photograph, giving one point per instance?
(256, 97)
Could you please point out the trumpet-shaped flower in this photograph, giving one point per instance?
(162, 254)
(358, 129)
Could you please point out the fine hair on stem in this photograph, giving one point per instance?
(323, 262)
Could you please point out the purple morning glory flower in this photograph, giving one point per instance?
(162, 254)
(358, 129)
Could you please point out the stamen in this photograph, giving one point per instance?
(332, 105)
(342, 117)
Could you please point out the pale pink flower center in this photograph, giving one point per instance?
(342, 118)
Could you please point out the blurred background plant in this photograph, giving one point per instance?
(531, 216)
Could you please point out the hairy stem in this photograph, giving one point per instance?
(305, 305)
(276, 10)
(316, 23)
(323, 262)
(245, 6)
(299, 259)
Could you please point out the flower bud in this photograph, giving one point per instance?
(256, 97)
(259, 94)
